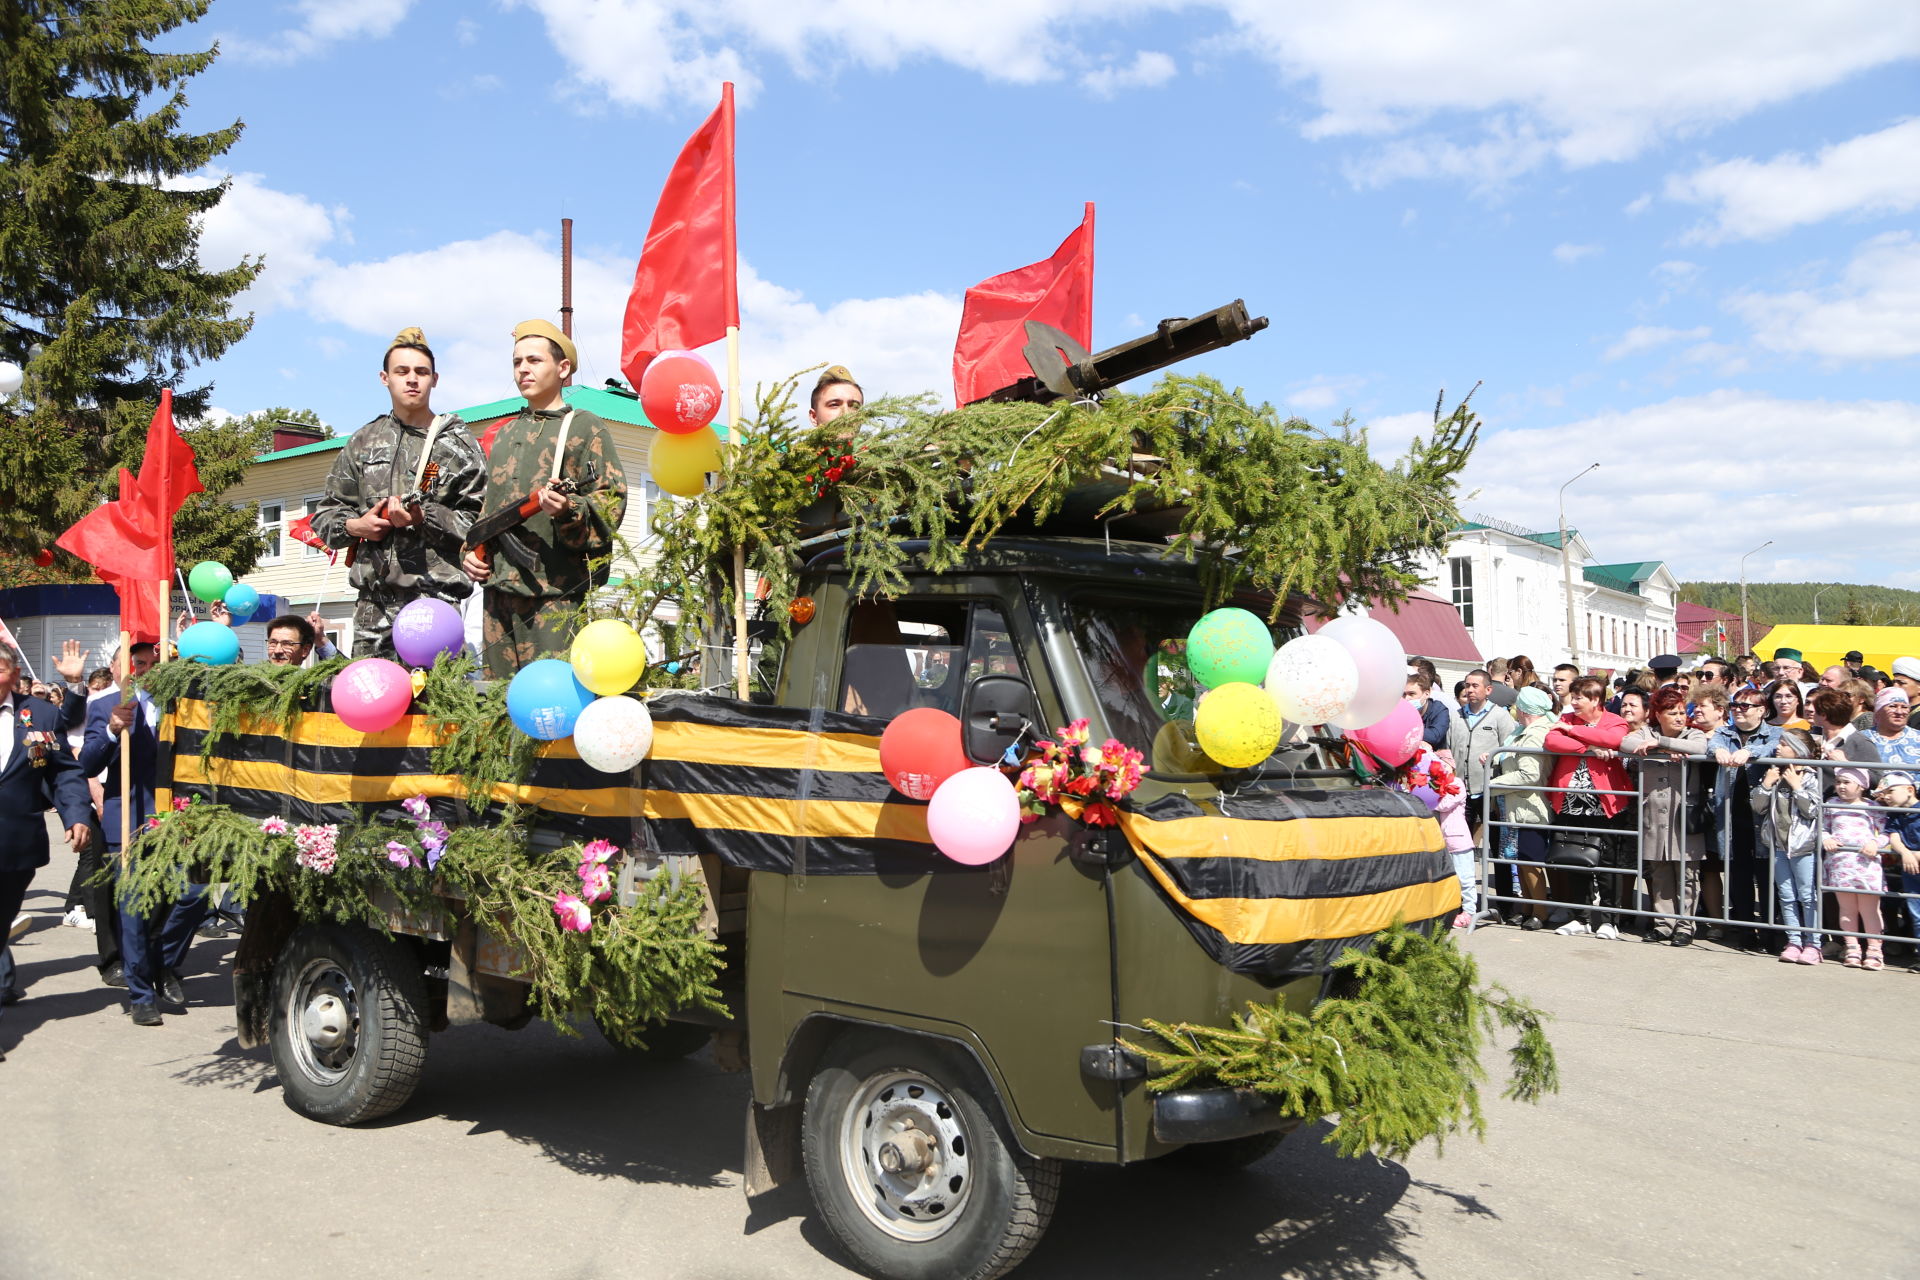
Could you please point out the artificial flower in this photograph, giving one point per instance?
(573, 913)
(400, 855)
(599, 851)
(417, 808)
(596, 882)
(274, 826)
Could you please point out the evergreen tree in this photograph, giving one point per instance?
(102, 299)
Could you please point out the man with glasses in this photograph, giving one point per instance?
(290, 638)
(1735, 748)
(1790, 664)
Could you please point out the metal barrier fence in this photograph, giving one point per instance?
(1737, 872)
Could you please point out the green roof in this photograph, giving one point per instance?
(1632, 570)
(1601, 576)
(1501, 526)
(318, 446)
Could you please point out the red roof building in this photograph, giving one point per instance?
(1703, 630)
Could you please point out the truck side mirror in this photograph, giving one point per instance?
(994, 711)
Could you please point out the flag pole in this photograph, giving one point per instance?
(126, 748)
(740, 550)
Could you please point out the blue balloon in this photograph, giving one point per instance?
(241, 601)
(546, 698)
(210, 642)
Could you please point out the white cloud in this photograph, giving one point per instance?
(1322, 391)
(1872, 313)
(1877, 173)
(1388, 437)
(1637, 206)
(1478, 90)
(1719, 488)
(324, 23)
(1569, 254)
(288, 230)
(1645, 337)
(1148, 70)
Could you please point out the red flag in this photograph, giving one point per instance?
(129, 541)
(301, 530)
(685, 293)
(1059, 291)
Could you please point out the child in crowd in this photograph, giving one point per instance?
(1787, 803)
(1431, 780)
(1853, 841)
(1896, 791)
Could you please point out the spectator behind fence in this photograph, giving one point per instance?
(1787, 706)
(1853, 841)
(1735, 748)
(1832, 714)
(1476, 730)
(1710, 711)
(1434, 716)
(1863, 693)
(1675, 820)
(1587, 740)
(1896, 791)
(1787, 801)
(1533, 716)
(1503, 693)
(1896, 741)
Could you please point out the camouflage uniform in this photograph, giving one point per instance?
(423, 560)
(531, 614)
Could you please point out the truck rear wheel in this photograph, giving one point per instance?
(911, 1173)
(348, 1027)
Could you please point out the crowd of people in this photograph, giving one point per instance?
(1736, 800)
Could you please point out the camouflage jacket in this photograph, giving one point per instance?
(379, 461)
(521, 461)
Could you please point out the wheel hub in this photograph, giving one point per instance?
(905, 1154)
(325, 1006)
(325, 1021)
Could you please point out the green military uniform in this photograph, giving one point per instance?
(380, 461)
(533, 613)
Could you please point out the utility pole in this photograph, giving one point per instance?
(1816, 601)
(1566, 571)
(1746, 634)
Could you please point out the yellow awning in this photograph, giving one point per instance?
(1823, 646)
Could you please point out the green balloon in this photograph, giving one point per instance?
(209, 580)
(1229, 646)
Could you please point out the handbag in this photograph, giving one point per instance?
(1700, 816)
(1574, 849)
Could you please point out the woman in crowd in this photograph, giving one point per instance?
(1787, 800)
(1832, 711)
(1673, 812)
(1587, 741)
(1787, 706)
(1533, 716)
(1861, 691)
(1520, 673)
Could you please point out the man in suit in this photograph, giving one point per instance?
(151, 947)
(37, 772)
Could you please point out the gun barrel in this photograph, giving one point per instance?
(1062, 369)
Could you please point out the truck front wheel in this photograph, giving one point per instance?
(911, 1173)
(348, 1027)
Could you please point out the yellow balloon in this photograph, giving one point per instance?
(1238, 725)
(680, 463)
(608, 657)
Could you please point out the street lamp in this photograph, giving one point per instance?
(1816, 601)
(1566, 570)
(1746, 636)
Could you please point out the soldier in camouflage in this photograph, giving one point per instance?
(404, 540)
(532, 608)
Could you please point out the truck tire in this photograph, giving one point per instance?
(348, 1028)
(910, 1171)
(666, 1042)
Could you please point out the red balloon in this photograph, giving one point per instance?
(43, 557)
(680, 393)
(920, 750)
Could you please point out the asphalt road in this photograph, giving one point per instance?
(1721, 1115)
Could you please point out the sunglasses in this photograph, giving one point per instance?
(1750, 706)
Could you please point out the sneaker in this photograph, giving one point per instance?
(1810, 955)
(1573, 929)
(1558, 916)
(1790, 955)
(76, 918)
(1608, 932)
(21, 923)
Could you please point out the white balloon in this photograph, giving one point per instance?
(1312, 678)
(613, 734)
(10, 377)
(1381, 662)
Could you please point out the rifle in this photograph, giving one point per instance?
(1062, 368)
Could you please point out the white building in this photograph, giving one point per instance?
(1509, 586)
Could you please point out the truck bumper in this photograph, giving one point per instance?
(1214, 1115)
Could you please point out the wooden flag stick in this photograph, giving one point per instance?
(126, 750)
(740, 552)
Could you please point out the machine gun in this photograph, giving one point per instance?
(1062, 368)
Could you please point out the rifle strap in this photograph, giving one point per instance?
(426, 450)
(560, 446)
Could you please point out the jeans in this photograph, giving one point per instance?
(1463, 867)
(1799, 908)
(13, 892)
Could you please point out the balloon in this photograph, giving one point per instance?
(680, 463)
(209, 580)
(242, 602)
(1176, 750)
(43, 557)
(1427, 796)
(613, 734)
(1382, 664)
(920, 749)
(426, 628)
(545, 699)
(679, 392)
(10, 377)
(210, 642)
(1237, 725)
(1229, 646)
(974, 816)
(372, 694)
(1395, 739)
(608, 656)
(1312, 679)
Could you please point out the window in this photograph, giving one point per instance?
(272, 524)
(652, 499)
(1461, 569)
(1589, 631)
(920, 653)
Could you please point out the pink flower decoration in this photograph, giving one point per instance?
(274, 826)
(596, 882)
(417, 808)
(598, 851)
(180, 803)
(573, 913)
(399, 855)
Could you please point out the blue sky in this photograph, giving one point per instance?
(1678, 240)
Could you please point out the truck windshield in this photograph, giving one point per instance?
(1136, 656)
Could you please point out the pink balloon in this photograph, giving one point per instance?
(1382, 664)
(1394, 740)
(372, 694)
(974, 816)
